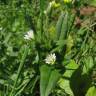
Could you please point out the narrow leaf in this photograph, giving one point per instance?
(59, 25)
(48, 79)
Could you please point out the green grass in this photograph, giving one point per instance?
(23, 68)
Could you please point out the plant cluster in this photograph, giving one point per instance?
(47, 48)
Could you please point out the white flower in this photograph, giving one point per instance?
(45, 12)
(1, 28)
(29, 35)
(50, 59)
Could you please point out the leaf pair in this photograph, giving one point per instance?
(48, 79)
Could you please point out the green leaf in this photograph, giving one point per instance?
(91, 91)
(42, 5)
(20, 69)
(92, 3)
(72, 65)
(48, 79)
(59, 25)
(64, 28)
(80, 83)
(44, 78)
(64, 32)
(64, 83)
(88, 64)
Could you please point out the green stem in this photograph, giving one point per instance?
(35, 81)
(19, 69)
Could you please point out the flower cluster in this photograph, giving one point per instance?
(50, 59)
(29, 35)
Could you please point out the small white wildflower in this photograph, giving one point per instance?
(22, 5)
(50, 59)
(29, 35)
(1, 28)
(45, 12)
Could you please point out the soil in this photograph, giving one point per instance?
(85, 11)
